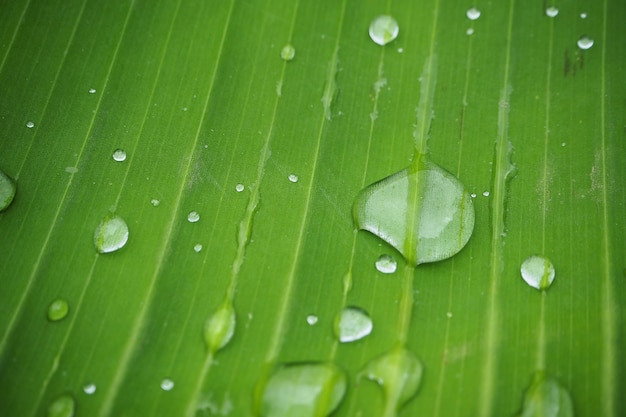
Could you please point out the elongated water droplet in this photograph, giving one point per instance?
(352, 324)
(63, 406)
(311, 319)
(545, 397)
(585, 42)
(552, 11)
(111, 234)
(220, 327)
(167, 384)
(89, 388)
(424, 212)
(303, 390)
(399, 373)
(473, 13)
(119, 155)
(384, 29)
(7, 191)
(58, 309)
(193, 217)
(538, 272)
(386, 264)
(288, 52)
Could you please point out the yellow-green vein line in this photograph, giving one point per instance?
(17, 28)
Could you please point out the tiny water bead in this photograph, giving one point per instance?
(552, 11)
(58, 309)
(30, 124)
(119, 155)
(384, 29)
(386, 264)
(486, 193)
(193, 217)
(197, 248)
(92, 91)
(288, 52)
(473, 13)
(545, 397)
(538, 272)
(352, 324)
(7, 191)
(220, 327)
(585, 42)
(239, 187)
(583, 15)
(311, 319)
(111, 234)
(155, 202)
(293, 178)
(303, 390)
(89, 388)
(167, 384)
(469, 31)
(62, 406)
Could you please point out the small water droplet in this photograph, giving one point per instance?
(92, 91)
(185, 109)
(293, 178)
(30, 124)
(583, 15)
(288, 52)
(302, 390)
(220, 327)
(473, 195)
(469, 31)
(197, 248)
(111, 234)
(239, 187)
(62, 406)
(563, 144)
(167, 384)
(546, 397)
(58, 309)
(538, 272)
(449, 314)
(473, 13)
(155, 202)
(193, 217)
(400, 50)
(119, 155)
(386, 264)
(311, 319)
(384, 29)
(8, 189)
(585, 42)
(352, 324)
(552, 11)
(486, 193)
(89, 388)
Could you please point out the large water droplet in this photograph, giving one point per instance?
(384, 29)
(111, 234)
(399, 373)
(119, 155)
(288, 52)
(7, 191)
(585, 42)
(167, 384)
(424, 212)
(473, 13)
(352, 324)
(63, 406)
(386, 264)
(220, 327)
(89, 388)
(545, 397)
(552, 11)
(303, 390)
(193, 217)
(58, 309)
(538, 272)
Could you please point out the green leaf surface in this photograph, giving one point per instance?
(198, 97)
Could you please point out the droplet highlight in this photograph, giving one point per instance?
(89, 388)
(193, 217)
(119, 155)
(552, 11)
(293, 178)
(386, 264)
(311, 319)
(585, 42)
(473, 13)
(384, 29)
(288, 52)
(303, 390)
(63, 406)
(545, 397)
(352, 324)
(8, 189)
(583, 15)
(58, 309)
(167, 384)
(220, 327)
(111, 234)
(538, 272)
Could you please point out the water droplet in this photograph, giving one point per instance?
(92, 91)
(63, 406)
(469, 31)
(563, 144)
(7, 191)
(220, 327)
(386, 264)
(30, 124)
(552, 11)
(473, 13)
(303, 390)
(486, 193)
(449, 314)
(155, 202)
(119, 155)
(384, 29)
(293, 178)
(167, 384)
(58, 309)
(89, 388)
(111, 234)
(585, 42)
(239, 187)
(422, 211)
(473, 195)
(400, 50)
(311, 319)
(352, 324)
(197, 248)
(538, 272)
(193, 217)
(545, 397)
(583, 15)
(288, 52)
(399, 374)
